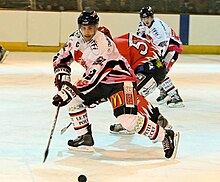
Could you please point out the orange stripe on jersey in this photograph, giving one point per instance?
(108, 70)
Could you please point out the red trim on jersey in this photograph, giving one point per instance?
(156, 132)
(78, 113)
(81, 126)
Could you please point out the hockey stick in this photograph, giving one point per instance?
(51, 134)
(65, 128)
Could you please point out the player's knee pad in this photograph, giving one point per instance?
(128, 121)
(145, 86)
(168, 86)
(78, 115)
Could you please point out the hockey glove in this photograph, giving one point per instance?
(62, 75)
(65, 95)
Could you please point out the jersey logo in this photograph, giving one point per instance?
(77, 44)
(155, 32)
(117, 99)
(93, 44)
(159, 63)
(90, 75)
(99, 61)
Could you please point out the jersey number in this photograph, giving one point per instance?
(133, 41)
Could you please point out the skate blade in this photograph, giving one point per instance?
(164, 100)
(176, 143)
(82, 148)
(178, 105)
(123, 132)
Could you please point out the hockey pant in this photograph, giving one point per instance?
(121, 103)
(124, 101)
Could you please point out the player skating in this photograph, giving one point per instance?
(169, 44)
(107, 75)
(145, 60)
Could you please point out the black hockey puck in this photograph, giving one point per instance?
(82, 178)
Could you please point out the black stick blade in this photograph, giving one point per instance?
(45, 155)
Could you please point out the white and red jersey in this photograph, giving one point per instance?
(160, 34)
(135, 49)
(100, 58)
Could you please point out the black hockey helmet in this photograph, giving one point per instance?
(146, 12)
(88, 17)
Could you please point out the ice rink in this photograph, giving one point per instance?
(26, 117)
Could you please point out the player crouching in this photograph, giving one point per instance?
(107, 75)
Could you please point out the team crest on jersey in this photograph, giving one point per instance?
(155, 32)
(77, 34)
(159, 63)
(93, 45)
(99, 61)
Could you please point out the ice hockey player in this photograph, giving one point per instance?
(143, 57)
(170, 46)
(3, 54)
(145, 60)
(107, 75)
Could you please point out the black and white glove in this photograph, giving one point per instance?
(62, 75)
(65, 95)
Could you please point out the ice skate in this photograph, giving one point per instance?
(170, 144)
(3, 55)
(119, 129)
(175, 101)
(83, 143)
(164, 97)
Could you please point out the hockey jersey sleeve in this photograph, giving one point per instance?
(64, 57)
(141, 30)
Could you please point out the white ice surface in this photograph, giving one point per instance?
(26, 118)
